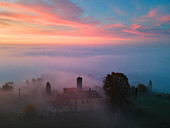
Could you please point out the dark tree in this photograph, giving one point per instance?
(34, 81)
(142, 88)
(39, 80)
(27, 83)
(7, 87)
(116, 87)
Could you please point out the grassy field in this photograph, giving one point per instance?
(148, 113)
(159, 107)
(154, 111)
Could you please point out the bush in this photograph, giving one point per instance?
(29, 111)
(168, 97)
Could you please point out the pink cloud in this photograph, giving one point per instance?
(114, 25)
(165, 18)
(144, 18)
(48, 14)
(135, 32)
(67, 9)
(154, 17)
(152, 13)
(135, 26)
(64, 18)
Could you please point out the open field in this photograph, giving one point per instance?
(148, 113)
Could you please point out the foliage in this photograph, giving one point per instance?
(142, 88)
(27, 83)
(29, 111)
(7, 87)
(116, 87)
(168, 96)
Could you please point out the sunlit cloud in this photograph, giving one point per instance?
(153, 17)
(135, 26)
(63, 18)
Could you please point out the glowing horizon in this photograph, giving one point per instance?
(83, 22)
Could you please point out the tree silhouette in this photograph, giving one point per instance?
(27, 83)
(142, 89)
(7, 87)
(116, 87)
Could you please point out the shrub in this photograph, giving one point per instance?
(29, 111)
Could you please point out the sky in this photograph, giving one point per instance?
(116, 22)
(81, 37)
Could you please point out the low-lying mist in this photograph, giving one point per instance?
(140, 64)
(12, 106)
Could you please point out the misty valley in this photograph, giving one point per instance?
(39, 104)
(84, 63)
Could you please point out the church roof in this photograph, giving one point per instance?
(82, 94)
(76, 95)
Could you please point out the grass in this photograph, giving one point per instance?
(149, 113)
(154, 111)
(158, 107)
(76, 120)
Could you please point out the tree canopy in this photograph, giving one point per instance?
(116, 87)
(7, 87)
(142, 88)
